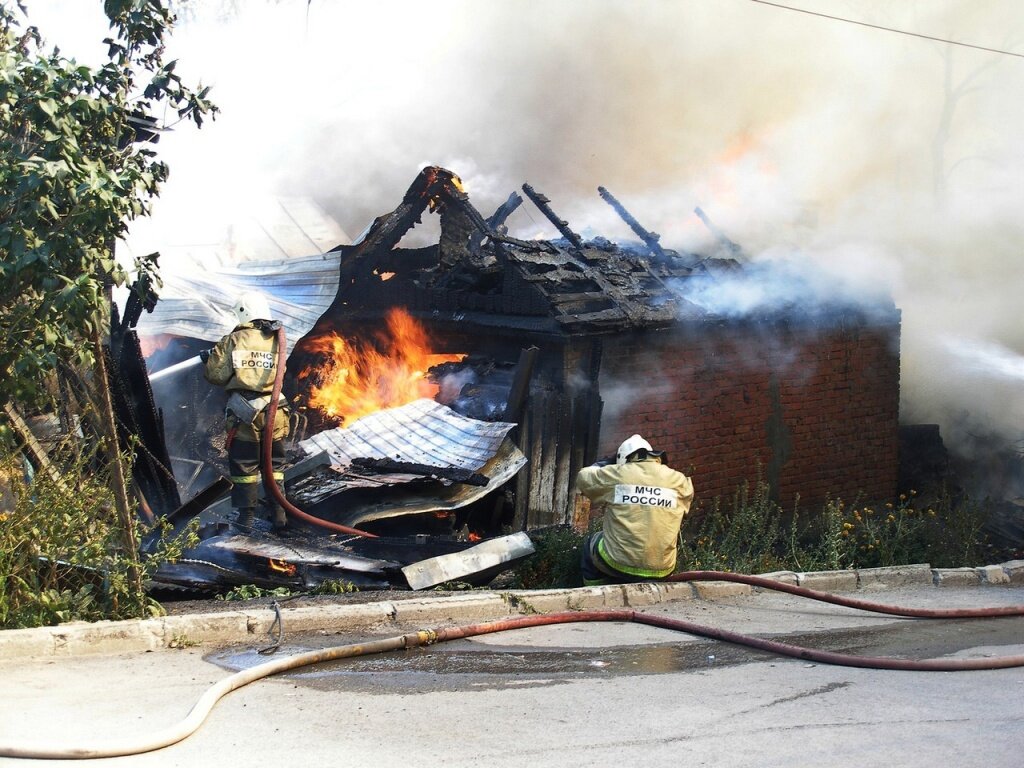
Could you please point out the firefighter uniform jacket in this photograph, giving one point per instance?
(245, 361)
(645, 502)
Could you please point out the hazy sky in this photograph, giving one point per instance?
(890, 160)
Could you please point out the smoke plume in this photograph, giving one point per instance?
(892, 162)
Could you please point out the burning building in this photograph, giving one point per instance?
(574, 344)
(616, 340)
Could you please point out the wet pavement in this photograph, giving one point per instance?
(565, 696)
(471, 664)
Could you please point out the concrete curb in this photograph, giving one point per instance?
(239, 626)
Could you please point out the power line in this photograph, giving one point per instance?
(888, 29)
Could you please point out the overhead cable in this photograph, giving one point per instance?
(888, 29)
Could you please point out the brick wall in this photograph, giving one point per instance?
(814, 412)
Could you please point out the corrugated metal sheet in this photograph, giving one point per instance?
(406, 499)
(197, 305)
(421, 432)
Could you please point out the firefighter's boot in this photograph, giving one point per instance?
(277, 515)
(244, 517)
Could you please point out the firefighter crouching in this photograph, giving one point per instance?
(645, 502)
(245, 363)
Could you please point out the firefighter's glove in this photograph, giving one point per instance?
(604, 461)
(204, 356)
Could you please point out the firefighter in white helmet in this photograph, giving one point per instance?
(645, 501)
(245, 363)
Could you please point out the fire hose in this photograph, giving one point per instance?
(191, 723)
(266, 460)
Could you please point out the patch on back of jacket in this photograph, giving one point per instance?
(251, 360)
(649, 495)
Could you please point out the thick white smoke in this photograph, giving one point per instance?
(893, 162)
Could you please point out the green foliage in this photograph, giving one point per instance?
(745, 540)
(252, 592)
(555, 563)
(945, 534)
(182, 642)
(72, 175)
(453, 586)
(334, 587)
(757, 535)
(60, 549)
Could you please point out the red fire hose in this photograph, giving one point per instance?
(266, 462)
(849, 602)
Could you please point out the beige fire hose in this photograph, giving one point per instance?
(206, 702)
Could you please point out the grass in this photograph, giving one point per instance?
(753, 534)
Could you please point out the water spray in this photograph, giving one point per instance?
(171, 370)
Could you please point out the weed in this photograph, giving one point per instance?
(555, 563)
(61, 547)
(517, 603)
(756, 535)
(334, 587)
(453, 586)
(252, 592)
(182, 641)
(749, 538)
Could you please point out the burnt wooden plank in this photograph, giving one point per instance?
(538, 407)
(542, 508)
(564, 298)
(561, 509)
(522, 481)
(613, 315)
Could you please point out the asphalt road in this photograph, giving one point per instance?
(573, 695)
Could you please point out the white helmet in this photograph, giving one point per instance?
(251, 305)
(632, 445)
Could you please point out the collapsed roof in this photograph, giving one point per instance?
(563, 285)
(567, 285)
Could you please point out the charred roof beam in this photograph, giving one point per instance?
(650, 239)
(496, 222)
(734, 250)
(541, 201)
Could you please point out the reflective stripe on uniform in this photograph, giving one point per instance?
(641, 572)
(254, 478)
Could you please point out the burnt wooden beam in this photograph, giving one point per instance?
(496, 221)
(520, 384)
(561, 225)
(181, 516)
(649, 238)
(735, 250)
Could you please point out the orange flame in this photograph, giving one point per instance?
(154, 343)
(359, 378)
(281, 566)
